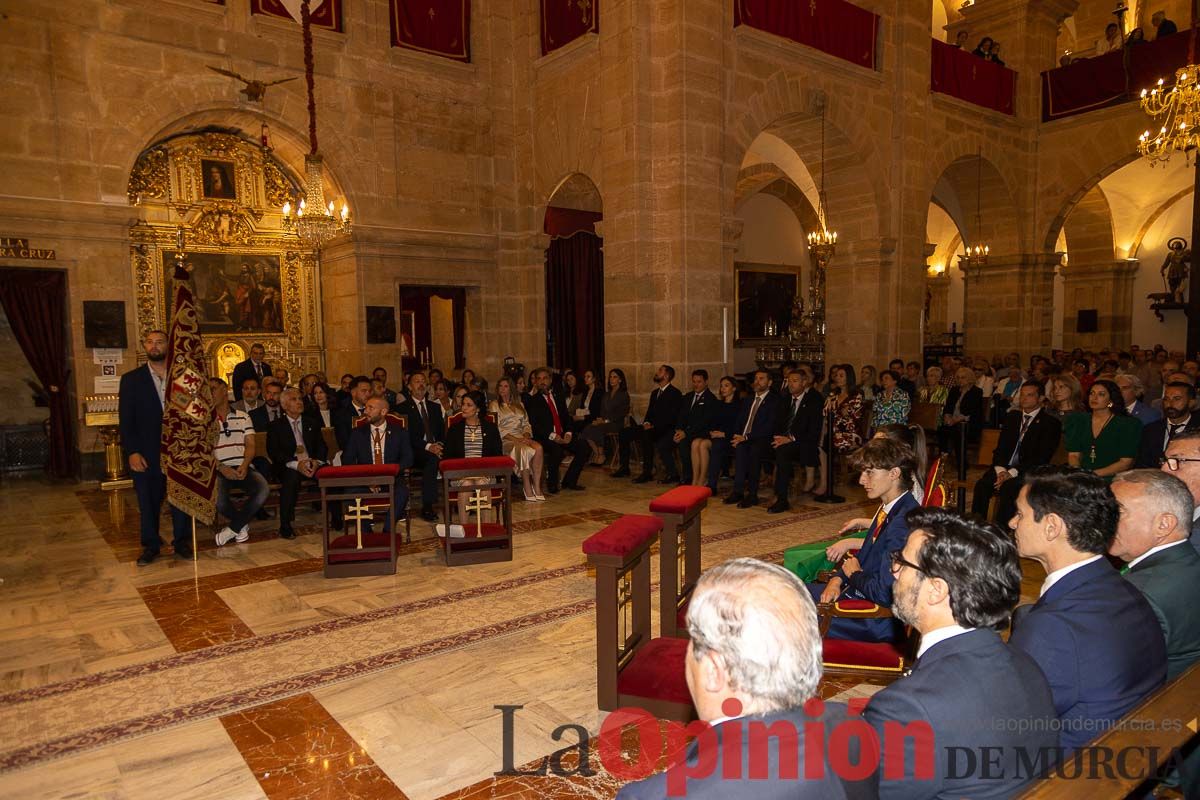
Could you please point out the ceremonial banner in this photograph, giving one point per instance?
(564, 21)
(189, 425)
(439, 27)
(836, 27)
(325, 13)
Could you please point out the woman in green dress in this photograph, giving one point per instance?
(1105, 438)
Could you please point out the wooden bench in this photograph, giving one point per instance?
(678, 553)
(631, 668)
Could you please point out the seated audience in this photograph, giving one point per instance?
(1093, 634)
(355, 407)
(320, 405)
(892, 404)
(964, 406)
(657, 428)
(695, 421)
(1063, 395)
(251, 396)
(868, 382)
(933, 391)
(614, 408)
(1104, 441)
(382, 441)
(472, 435)
(516, 438)
(887, 472)
(426, 434)
(1028, 438)
(1177, 406)
(845, 403)
(713, 450)
(754, 657)
(957, 582)
(755, 426)
(234, 454)
(552, 429)
(1131, 397)
(297, 451)
(590, 394)
(798, 440)
(1182, 460)
(380, 374)
(442, 399)
(269, 410)
(913, 437)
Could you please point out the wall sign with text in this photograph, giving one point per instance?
(15, 247)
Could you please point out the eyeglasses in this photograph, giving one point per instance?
(898, 561)
(1173, 462)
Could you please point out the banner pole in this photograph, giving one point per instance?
(195, 553)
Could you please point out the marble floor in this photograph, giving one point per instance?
(246, 673)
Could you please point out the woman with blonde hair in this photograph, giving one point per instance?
(1063, 395)
(516, 438)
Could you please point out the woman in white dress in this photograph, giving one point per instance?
(516, 437)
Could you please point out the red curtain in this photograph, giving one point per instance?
(416, 300)
(34, 301)
(1112, 78)
(563, 222)
(328, 15)
(564, 21)
(439, 27)
(835, 27)
(575, 302)
(956, 72)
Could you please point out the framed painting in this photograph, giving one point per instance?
(764, 297)
(235, 292)
(381, 325)
(104, 323)
(218, 179)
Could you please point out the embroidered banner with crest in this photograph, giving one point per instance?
(189, 425)
(438, 27)
(564, 21)
(325, 13)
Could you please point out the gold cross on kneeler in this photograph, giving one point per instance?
(479, 502)
(358, 512)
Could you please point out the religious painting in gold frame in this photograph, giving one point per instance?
(764, 295)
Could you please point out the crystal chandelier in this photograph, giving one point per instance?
(1178, 108)
(976, 255)
(314, 221)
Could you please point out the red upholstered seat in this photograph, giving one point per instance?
(657, 672)
(680, 500)
(850, 606)
(468, 464)
(623, 536)
(369, 540)
(360, 471)
(863, 655)
(391, 416)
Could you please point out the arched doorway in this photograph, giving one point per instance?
(574, 276)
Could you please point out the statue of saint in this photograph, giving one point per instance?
(1176, 268)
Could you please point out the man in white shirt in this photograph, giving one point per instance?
(234, 452)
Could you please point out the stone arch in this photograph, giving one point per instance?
(953, 188)
(782, 188)
(577, 191)
(567, 140)
(1089, 229)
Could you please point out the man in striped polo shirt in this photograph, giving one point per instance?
(234, 451)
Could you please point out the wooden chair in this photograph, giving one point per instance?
(849, 657)
(988, 439)
(633, 669)
(678, 553)
(927, 415)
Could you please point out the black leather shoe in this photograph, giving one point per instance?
(574, 486)
(428, 514)
(621, 473)
(183, 554)
(736, 497)
(779, 507)
(749, 502)
(286, 532)
(147, 557)
(263, 513)
(643, 478)
(673, 479)
(551, 490)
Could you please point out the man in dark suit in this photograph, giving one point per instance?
(1177, 418)
(552, 428)
(657, 429)
(297, 451)
(957, 581)
(343, 417)
(755, 428)
(426, 434)
(382, 442)
(740, 610)
(798, 438)
(964, 406)
(1028, 438)
(270, 410)
(1093, 634)
(1162, 25)
(252, 367)
(695, 419)
(380, 374)
(1182, 460)
(140, 412)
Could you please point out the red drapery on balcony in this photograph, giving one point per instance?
(1112, 78)
(835, 27)
(328, 15)
(564, 21)
(956, 72)
(439, 27)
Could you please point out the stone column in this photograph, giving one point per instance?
(937, 288)
(1106, 287)
(862, 306)
(1008, 304)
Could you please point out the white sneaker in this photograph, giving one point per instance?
(244, 534)
(456, 531)
(225, 536)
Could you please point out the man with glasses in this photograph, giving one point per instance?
(234, 452)
(1182, 460)
(1177, 419)
(957, 581)
(1093, 633)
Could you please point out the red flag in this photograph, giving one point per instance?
(189, 424)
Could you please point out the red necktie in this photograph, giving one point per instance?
(558, 430)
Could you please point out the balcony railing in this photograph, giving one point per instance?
(958, 73)
(836, 27)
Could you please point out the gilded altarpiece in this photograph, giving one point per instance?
(255, 283)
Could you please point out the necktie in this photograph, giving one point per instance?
(273, 413)
(795, 410)
(1012, 461)
(299, 436)
(258, 369)
(695, 397)
(424, 418)
(378, 445)
(876, 525)
(1173, 430)
(750, 419)
(558, 429)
